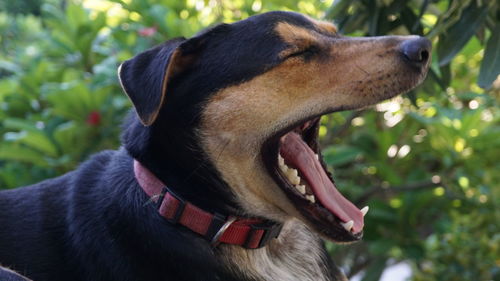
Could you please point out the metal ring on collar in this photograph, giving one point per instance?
(215, 241)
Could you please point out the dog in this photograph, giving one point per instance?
(220, 176)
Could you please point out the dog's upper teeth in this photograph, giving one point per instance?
(282, 165)
(301, 188)
(348, 225)
(365, 210)
(292, 173)
(284, 168)
(293, 177)
(281, 161)
(311, 198)
(317, 156)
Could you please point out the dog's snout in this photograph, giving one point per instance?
(417, 50)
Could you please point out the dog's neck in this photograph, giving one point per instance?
(217, 228)
(296, 255)
(183, 170)
(173, 155)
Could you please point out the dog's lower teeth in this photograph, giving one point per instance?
(311, 198)
(348, 225)
(365, 210)
(301, 188)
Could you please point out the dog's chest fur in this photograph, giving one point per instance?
(295, 255)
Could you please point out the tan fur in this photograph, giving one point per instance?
(324, 26)
(298, 38)
(293, 34)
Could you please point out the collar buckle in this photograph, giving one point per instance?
(269, 230)
(180, 207)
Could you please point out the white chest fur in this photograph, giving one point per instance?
(295, 256)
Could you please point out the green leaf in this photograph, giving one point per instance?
(375, 270)
(40, 142)
(75, 16)
(490, 67)
(412, 96)
(66, 135)
(338, 8)
(411, 21)
(340, 155)
(19, 124)
(459, 34)
(73, 101)
(9, 151)
(9, 66)
(445, 74)
(33, 138)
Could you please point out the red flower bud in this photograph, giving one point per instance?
(147, 31)
(94, 118)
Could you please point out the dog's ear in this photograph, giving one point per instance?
(144, 78)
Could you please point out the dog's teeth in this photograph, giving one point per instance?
(310, 198)
(291, 173)
(348, 225)
(301, 188)
(293, 176)
(317, 156)
(281, 161)
(365, 210)
(284, 168)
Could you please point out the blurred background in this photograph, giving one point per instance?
(426, 163)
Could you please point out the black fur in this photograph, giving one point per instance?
(96, 223)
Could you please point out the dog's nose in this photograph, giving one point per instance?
(417, 50)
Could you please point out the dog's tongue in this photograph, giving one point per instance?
(299, 155)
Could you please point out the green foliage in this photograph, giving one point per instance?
(460, 252)
(59, 92)
(426, 163)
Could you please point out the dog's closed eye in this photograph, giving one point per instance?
(301, 42)
(306, 53)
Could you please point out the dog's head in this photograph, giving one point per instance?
(246, 98)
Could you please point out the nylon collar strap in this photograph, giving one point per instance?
(251, 233)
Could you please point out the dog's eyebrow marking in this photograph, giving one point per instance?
(291, 33)
(294, 35)
(297, 37)
(324, 26)
(300, 38)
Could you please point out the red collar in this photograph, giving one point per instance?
(251, 233)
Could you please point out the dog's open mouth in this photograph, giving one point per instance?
(294, 160)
